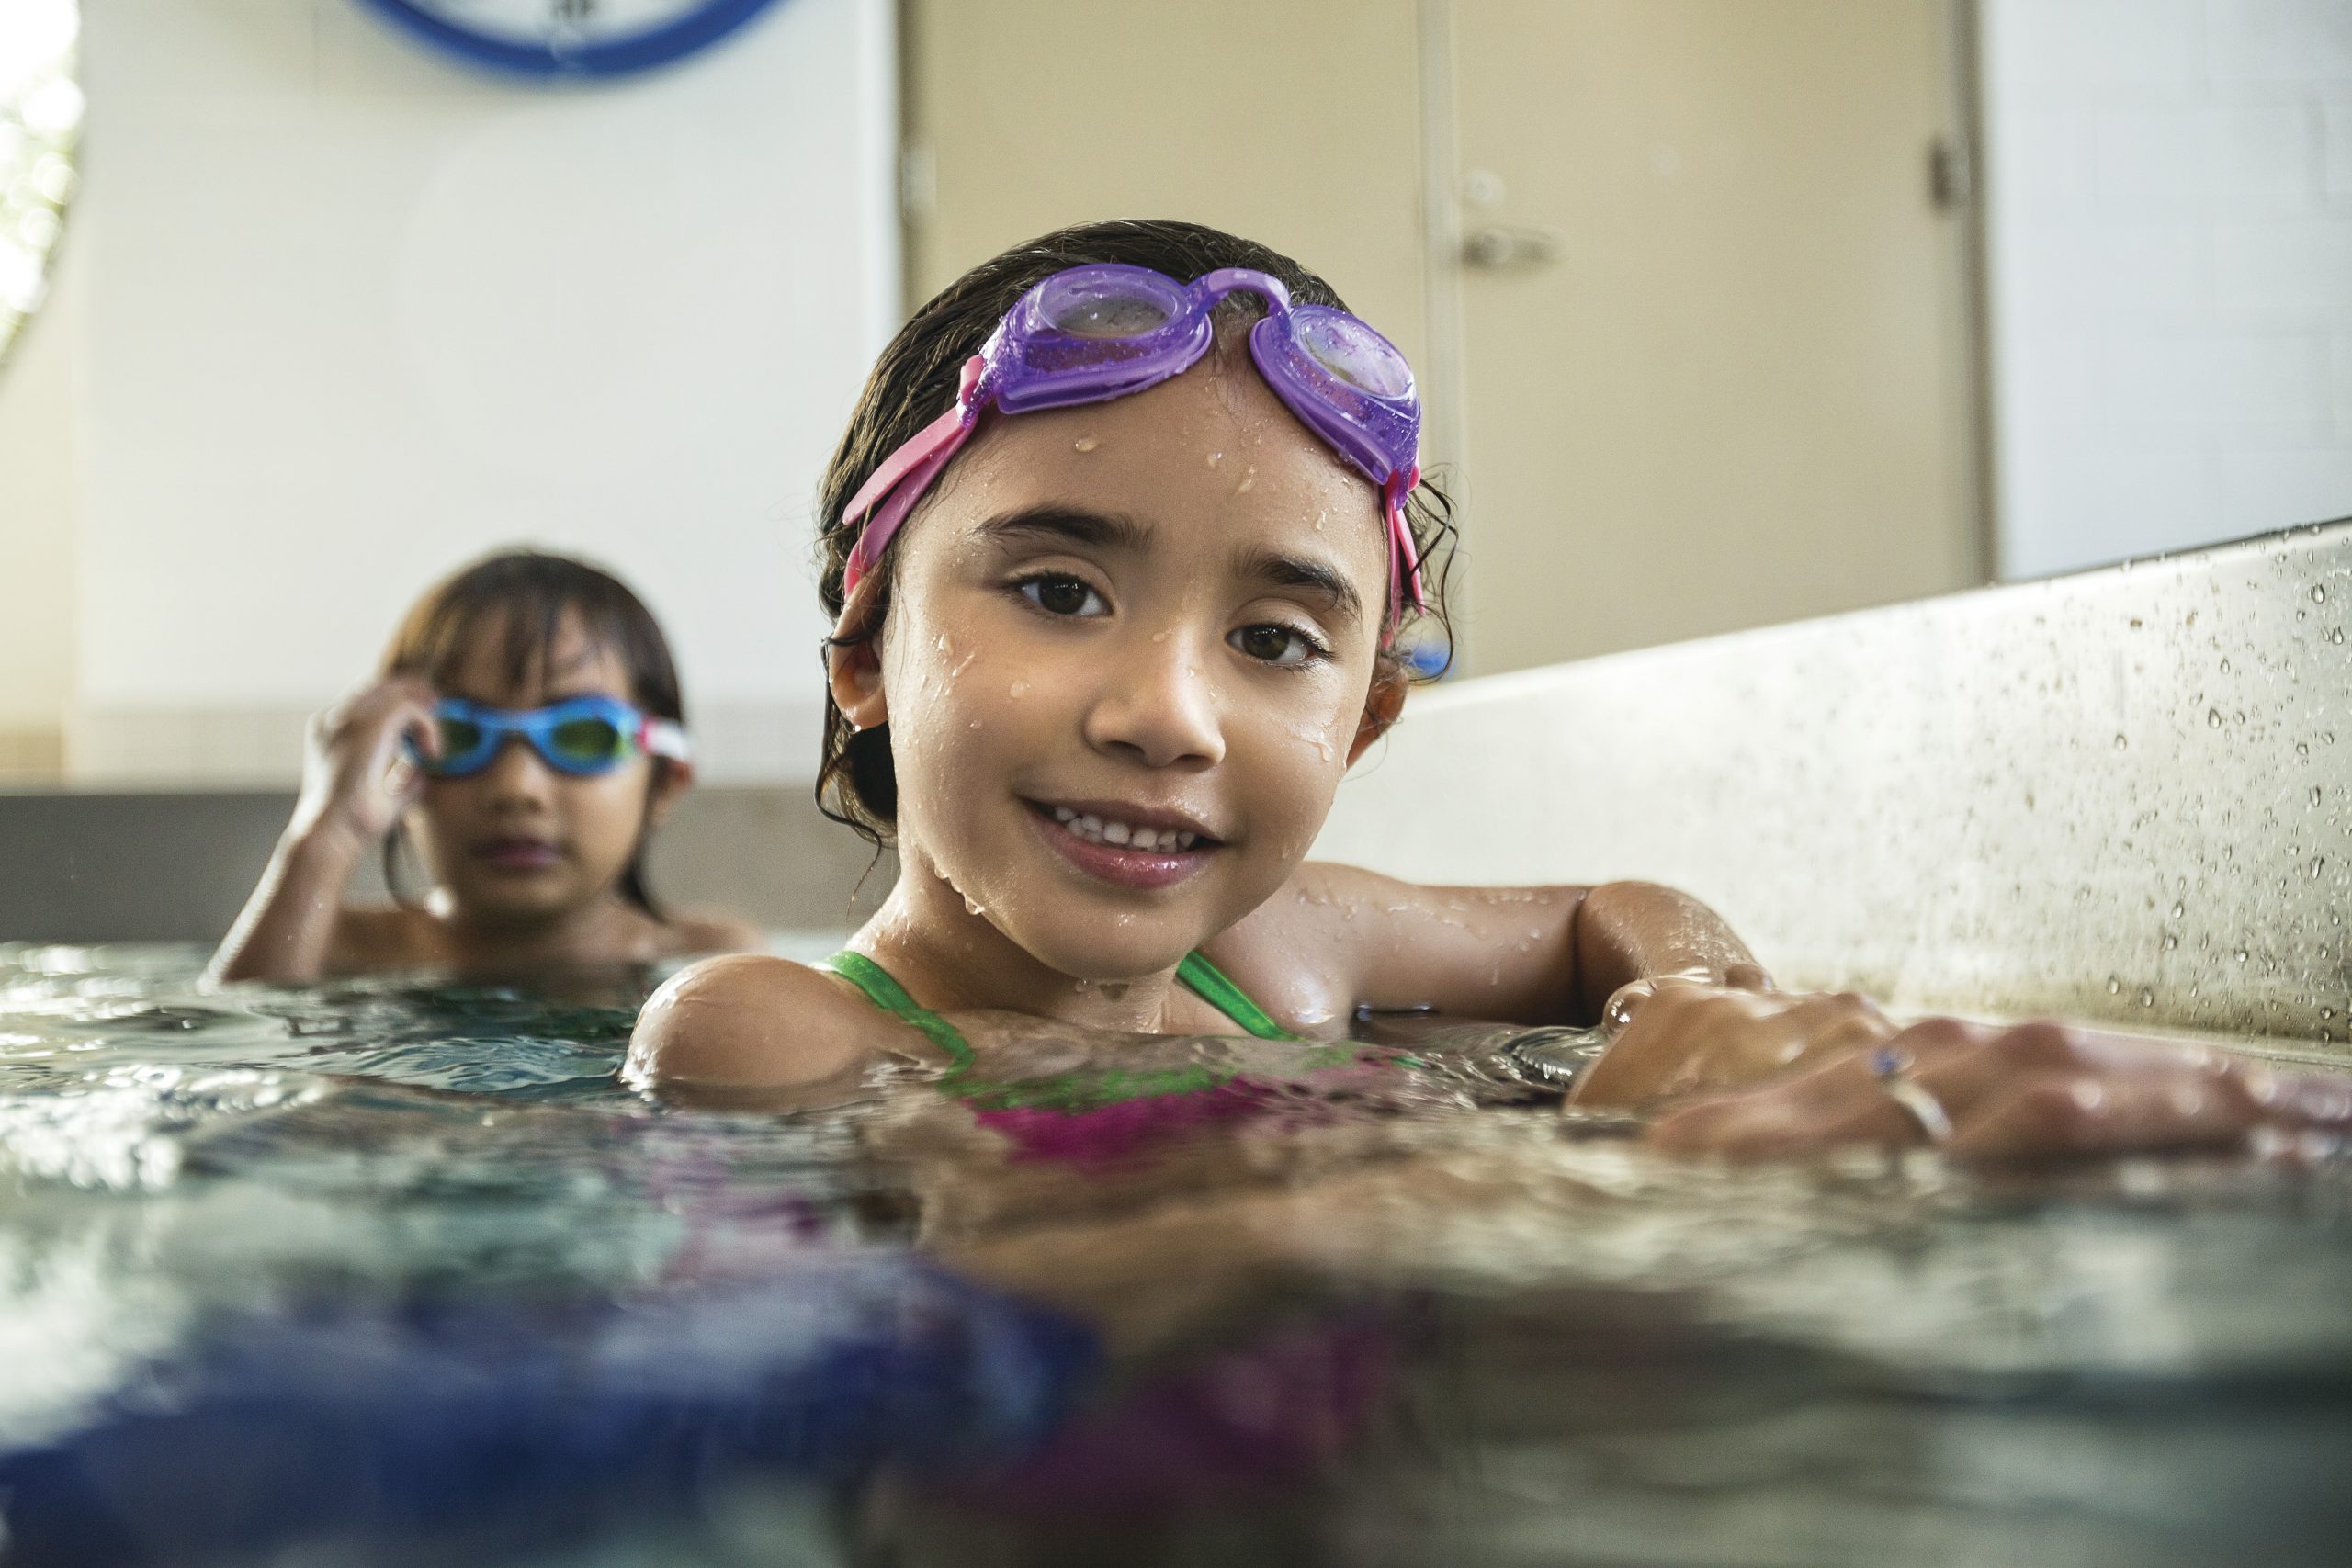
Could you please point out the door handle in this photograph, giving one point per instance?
(1503, 245)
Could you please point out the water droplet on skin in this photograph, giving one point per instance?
(2212, 718)
(1244, 486)
(975, 724)
(1019, 690)
(1214, 458)
(1159, 636)
(972, 905)
(1086, 442)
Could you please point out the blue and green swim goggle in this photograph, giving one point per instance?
(581, 736)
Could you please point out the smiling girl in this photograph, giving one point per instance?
(526, 737)
(1109, 632)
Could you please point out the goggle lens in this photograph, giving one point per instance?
(1353, 353)
(460, 737)
(586, 742)
(1103, 311)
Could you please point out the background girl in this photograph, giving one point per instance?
(525, 739)
(1110, 631)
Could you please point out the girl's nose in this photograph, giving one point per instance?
(1153, 706)
(516, 771)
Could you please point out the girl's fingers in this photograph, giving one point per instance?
(2036, 1091)
(2301, 1099)
(2093, 1112)
(1835, 1104)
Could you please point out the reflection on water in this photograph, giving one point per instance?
(385, 1273)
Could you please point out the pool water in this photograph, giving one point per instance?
(384, 1272)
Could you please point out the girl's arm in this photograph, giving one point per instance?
(354, 786)
(1338, 937)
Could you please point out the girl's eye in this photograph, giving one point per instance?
(1277, 644)
(1060, 594)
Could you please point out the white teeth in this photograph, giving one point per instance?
(1095, 830)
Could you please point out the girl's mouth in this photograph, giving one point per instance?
(516, 854)
(1133, 854)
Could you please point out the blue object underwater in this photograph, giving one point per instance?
(445, 1419)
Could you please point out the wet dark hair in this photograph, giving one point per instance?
(918, 376)
(530, 592)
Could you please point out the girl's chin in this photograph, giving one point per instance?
(1104, 951)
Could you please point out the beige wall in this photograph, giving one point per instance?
(39, 514)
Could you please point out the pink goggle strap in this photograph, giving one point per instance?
(1403, 566)
(907, 473)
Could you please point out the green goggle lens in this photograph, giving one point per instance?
(587, 740)
(459, 736)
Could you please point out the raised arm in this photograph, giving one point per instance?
(355, 785)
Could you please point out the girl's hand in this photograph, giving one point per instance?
(1675, 1035)
(355, 781)
(2034, 1091)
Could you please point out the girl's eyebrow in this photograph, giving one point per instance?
(1069, 524)
(1116, 531)
(1301, 571)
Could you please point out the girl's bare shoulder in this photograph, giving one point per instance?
(745, 1025)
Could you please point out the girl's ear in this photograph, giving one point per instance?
(1382, 706)
(670, 780)
(853, 668)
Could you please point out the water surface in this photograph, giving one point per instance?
(388, 1271)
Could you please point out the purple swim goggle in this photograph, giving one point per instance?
(1096, 332)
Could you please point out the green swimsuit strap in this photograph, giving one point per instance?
(891, 998)
(1205, 979)
(1209, 983)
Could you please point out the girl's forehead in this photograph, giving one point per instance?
(513, 658)
(1212, 452)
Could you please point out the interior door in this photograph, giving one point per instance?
(1717, 346)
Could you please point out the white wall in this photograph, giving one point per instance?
(352, 313)
(2170, 227)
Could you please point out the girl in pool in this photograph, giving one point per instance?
(525, 737)
(1109, 631)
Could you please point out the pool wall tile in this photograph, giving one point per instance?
(2121, 795)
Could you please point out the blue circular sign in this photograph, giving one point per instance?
(571, 38)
